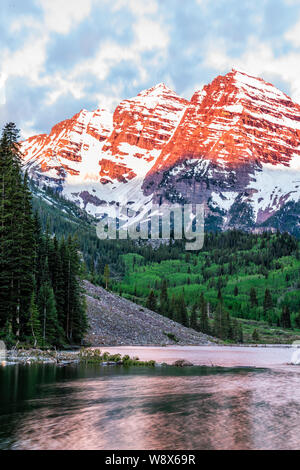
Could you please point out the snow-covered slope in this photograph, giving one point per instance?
(235, 144)
(70, 150)
(97, 159)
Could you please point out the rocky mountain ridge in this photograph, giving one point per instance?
(235, 146)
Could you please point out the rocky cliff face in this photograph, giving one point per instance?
(235, 147)
(142, 127)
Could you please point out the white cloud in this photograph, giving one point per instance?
(259, 60)
(191, 90)
(292, 2)
(150, 34)
(109, 54)
(109, 102)
(138, 7)
(293, 35)
(216, 55)
(3, 79)
(59, 85)
(28, 130)
(60, 16)
(28, 61)
(24, 22)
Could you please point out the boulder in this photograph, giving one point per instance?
(182, 363)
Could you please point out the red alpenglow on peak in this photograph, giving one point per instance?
(234, 120)
(236, 140)
(142, 127)
(61, 152)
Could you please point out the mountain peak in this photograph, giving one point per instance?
(245, 78)
(157, 90)
(158, 146)
(161, 85)
(252, 83)
(242, 72)
(236, 120)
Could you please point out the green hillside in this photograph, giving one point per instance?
(254, 277)
(234, 269)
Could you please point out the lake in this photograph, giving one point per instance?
(249, 399)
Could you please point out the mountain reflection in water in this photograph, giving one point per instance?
(80, 407)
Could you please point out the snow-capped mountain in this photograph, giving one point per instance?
(235, 146)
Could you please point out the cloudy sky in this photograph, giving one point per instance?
(59, 56)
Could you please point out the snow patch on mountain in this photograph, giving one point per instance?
(273, 186)
(224, 200)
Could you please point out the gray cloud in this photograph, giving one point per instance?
(193, 28)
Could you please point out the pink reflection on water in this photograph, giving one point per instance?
(224, 356)
(249, 410)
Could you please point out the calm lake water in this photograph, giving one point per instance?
(93, 407)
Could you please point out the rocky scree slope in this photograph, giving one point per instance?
(115, 321)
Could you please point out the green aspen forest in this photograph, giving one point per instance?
(239, 287)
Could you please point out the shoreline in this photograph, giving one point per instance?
(211, 345)
(252, 355)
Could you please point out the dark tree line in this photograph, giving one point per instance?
(41, 302)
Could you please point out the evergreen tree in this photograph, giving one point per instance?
(253, 298)
(51, 331)
(240, 336)
(203, 325)
(57, 276)
(7, 334)
(17, 250)
(268, 303)
(297, 321)
(194, 319)
(285, 317)
(222, 323)
(64, 318)
(164, 305)
(255, 335)
(183, 311)
(106, 276)
(181, 315)
(75, 308)
(218, 321)
(32, 264)
(236, 291)
(235, 329)
(151, 301)
(34, 324)
(228, 329)
(172, 309)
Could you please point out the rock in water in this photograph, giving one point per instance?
(296, 357)
(182, 363)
